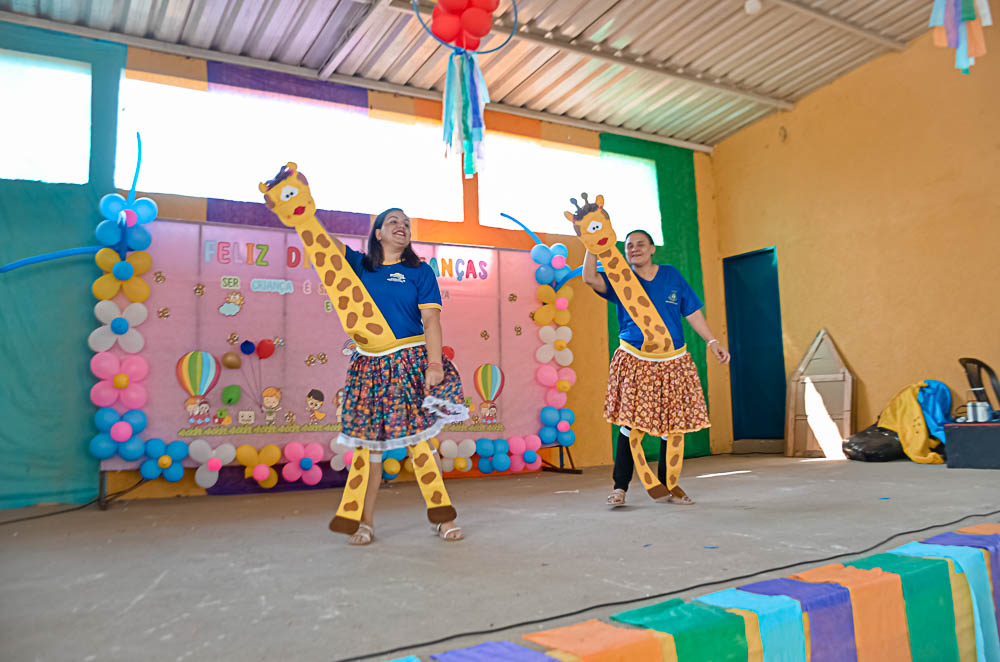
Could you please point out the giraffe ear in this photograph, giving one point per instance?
(263, 188)
(291, 165)
(569, 216)
(600, 201)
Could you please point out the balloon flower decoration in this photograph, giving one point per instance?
(462, 25)
(260, 464)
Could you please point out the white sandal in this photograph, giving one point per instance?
(365, 533)
(617, 498)
(436, 528)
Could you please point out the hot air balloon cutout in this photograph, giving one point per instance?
(460, 25)
(197, 373)
(488, 380)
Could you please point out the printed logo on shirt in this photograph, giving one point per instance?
(673, 298)
(396, 277)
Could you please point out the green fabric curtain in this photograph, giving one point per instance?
(47, 309)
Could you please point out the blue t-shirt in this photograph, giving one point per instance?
(400, 292)
(672, 297)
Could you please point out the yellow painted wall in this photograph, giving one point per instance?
(882, 195)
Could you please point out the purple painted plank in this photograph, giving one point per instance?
(493, 651)
(232, 481)
(258, 215)
(222, 73)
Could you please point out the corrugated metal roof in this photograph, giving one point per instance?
(684, 70)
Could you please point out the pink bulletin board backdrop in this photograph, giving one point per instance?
(198, 268)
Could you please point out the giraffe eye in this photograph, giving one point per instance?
(594, 226)
(288, 192)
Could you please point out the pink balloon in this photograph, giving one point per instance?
(290, 472)
(517, 446)
(348, 459)
(555, 399)
(104, 365)
(562, 303)
(314, 452)
(103, 394)
(516, 464)
(562, 426)
(261, 472)
(547, 375)
(121, 431)
(133, 397)
(568, 374)
(312, 475)
(532, 443)
(534, 466)
(135, 367)
(214, 464)
(558, 261)
(131, 218)
(294, 452)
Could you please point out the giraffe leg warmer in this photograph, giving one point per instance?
(352, 504)
(439, 508)
(654, 487)
(674, 458)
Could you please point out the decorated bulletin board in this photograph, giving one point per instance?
(243, 348)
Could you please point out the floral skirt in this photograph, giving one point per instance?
(658, 397)
(386, 406)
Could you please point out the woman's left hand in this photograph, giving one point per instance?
(433, 376)
(721, 355)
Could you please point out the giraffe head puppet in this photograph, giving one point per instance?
(288, 196)
(592, 224)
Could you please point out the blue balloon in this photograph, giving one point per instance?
(145, 209)
(119, 326)
(566, 438)
(549, 416)
(132, 449)
(105, 417)
(544, 275)
(485, 466)
(398, 454)
(388, 476)
(567, 415)
(177, 450)
(541, 254)
(155, 448)
(102, 446)
(560, 249)
(174, 472)
(530, 456)
(247, 347)
(501, 462)
(139, 238)
(306, 463)
(123, 270)
(484, 448)
(111, 205)
(562, 274)
(136, 419)
(108, 233)
(547, 435)
(150, 469)
(500, 446)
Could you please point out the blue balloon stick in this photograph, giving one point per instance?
(49, 256)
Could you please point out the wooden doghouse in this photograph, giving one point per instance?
(820, 402)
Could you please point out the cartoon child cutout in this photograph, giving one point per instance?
(271, 404)
(198, 411)
(340, 405)
(314, 403)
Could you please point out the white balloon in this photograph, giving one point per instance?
(106, 311)
(467, 448)
(225, 452)
(131, 341)
(101, 339)
(545, 353)
(547, 334)
(200, 451)
(564, 333)
(205, 476)
(134, 314)
(564, 357)
(447, 464)
(338, 463)
(449, 449)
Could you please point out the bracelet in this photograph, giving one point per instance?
(711, 341)
(434, 363)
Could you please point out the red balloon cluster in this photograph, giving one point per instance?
(463, 22)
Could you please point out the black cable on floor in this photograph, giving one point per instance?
(108, 499)
(693, 587)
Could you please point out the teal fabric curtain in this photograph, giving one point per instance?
(46, 310)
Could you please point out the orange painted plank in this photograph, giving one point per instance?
(594, 641)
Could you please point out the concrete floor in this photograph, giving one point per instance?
(261, 578)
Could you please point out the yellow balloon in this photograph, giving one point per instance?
(434, 442)
(272, 479)
(165, 461)
(562, 317)
(461, 463)
(544, 315)
(408, 465)
(563, 385)
(392, 466)
(120, 381)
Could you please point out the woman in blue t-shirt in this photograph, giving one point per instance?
(407, 393)
(660, 394)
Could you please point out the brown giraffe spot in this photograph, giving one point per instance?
(323, 241)
(642, 461)
(374, 328)
(677, 441)
(643, 301)
(336, 261)
(429, 478)
(355, 482)
(330, 277)
(351, 507)
(368, 310)
(674, 460)
(437, 498)
(646, 320)
(633, 311)
(357, 294)
(343, 303)
(319, 258)
(613, 264)
(421, 460)
(628, 292)
(633, 442)
(628, 276)
(307, 237)
(614, 278)
(343, 284)
(649, 478)
(652, 346)
(352, 320)
(660, 329)
(359, 463)
(360, 339)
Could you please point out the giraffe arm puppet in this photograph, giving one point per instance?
(289, 197)
(593, 225)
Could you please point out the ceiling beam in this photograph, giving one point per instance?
(526, 32)
(856, 29)
(377, 11)
(356, 81)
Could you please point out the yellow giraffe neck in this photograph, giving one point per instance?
(360, 317)
(656, 337)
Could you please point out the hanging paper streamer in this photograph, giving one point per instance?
(461, 25)
(959, 24)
